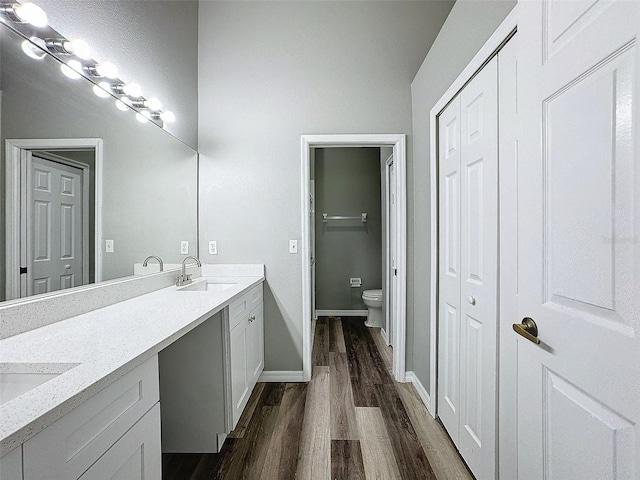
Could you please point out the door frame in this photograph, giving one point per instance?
(387, 332)
(14, 149)
(506, 395)
(398, 142)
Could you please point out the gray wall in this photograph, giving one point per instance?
(347, 182)
(268, 73)
(467, 28)
(153, 43)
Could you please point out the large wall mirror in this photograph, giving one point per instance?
(87, 190)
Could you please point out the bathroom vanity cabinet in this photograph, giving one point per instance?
(114, 434)
(11, 464)
(169, 371)
(207, 376)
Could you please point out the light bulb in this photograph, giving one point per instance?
(168, 117)
(102, 89)
(30, 13)
(122, 106)
(71, 69)
(79, 48)
(153, 103)
(132, 89)
(107, 69)
(143, 117)
(31, 51)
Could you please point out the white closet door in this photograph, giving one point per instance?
(449, 269)
(479, 266)
(468, 270)
(579, 248)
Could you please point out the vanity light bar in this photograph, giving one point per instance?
(25, 13)
(129, 94)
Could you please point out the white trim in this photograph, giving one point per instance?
(13, 149)
(385, 337)
(342, 313)
(387, 263)
(422, 392)
(398, 141)
(502, 33)
(288, 376)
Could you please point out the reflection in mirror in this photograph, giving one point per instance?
(90, 191)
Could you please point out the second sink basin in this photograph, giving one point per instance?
(208, 286)
(16, 379)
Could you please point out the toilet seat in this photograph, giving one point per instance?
(372, 294)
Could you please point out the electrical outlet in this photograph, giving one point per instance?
(213, 247)
(108, 246)
(184, 247)
(293, 246)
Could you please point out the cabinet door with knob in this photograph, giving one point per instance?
(246, 348)
(255, 341)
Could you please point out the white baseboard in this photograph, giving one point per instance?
(342, 313)
(422, 392)
(288, 376)
(385, 336)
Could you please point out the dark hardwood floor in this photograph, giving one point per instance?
(352, 421)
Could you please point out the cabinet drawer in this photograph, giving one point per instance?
(240, 308)
(136, 456)
(255, 297)
(68, 447)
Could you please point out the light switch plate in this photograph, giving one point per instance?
(108, 246)
(184, 247)
(293, 246)
(213, 247)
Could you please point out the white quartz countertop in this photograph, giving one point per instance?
(105, 344)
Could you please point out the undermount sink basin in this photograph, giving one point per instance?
(208, 286)
(19, 378)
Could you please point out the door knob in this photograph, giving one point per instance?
(528, 329)
(67, 266)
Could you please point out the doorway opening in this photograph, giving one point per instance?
(53, 219)
(393, 205)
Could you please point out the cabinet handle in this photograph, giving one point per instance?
(252, 318)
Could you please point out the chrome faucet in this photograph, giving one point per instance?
(146, 260)
(184, 278)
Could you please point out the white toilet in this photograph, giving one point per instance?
(373, 300)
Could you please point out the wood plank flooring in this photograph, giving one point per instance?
(351, 422)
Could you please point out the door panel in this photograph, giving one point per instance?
(473, 249)
(578, 211)
(473, 379)
(449, 270)
(42, 231)
(255, 338)
(56, 229)
(478, 288)
(468, 213)
(572, 418)
(393, 281)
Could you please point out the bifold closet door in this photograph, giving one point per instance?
(449, 269)
(468, 179)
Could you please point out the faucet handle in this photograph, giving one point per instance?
(189, 275)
